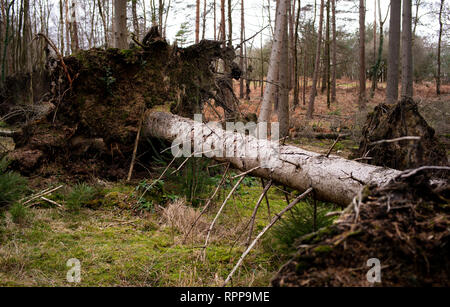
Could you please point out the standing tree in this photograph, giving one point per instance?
(313, 93)
(394, 52)
(135, 18)
(407, 57)
(334, 47)
(74, 27)
(284, 78)
(376, 67)
(197, 22)
(362, 55)
(441, 27)
(241, 56)
(120, 24)
(275, 56)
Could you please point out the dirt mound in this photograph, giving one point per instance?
(392, 122)
(90, 128)
(406, 225)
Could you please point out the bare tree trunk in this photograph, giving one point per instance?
(74, 27)
(275, 56)
(135, 18)
(362, 54)
(394, 52)
(197, 22)
(204, 19)
(284, 77)
(61, 27)
(215, 19)
(441, 27)
(120, 24)
(222, 22)
(312, 96)
(105, 27)
(230, 24)
(333, 179)
(241, 60)
(407, 57)
(334, 47)
(296, 75)
(328, 58)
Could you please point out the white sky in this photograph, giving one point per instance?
(257, 17)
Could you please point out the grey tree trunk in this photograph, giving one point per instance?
(275, 56)
(333, 179)
(312, 96)
(407, 56)
(135, 18)
(438, 75)
(284, 80)
(120, 24)
(362, 54)
(394, 52)
(334, 55)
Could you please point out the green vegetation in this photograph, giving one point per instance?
(12, 185)
(80, 195)
(297, 223)
(18, 213)
(123, 239)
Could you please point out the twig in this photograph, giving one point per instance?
(269, 215)
(410, 172)
(136, 143)
(207, 203)
(332, 146)
(40, 194)
(219, 212)
(396, 140)
(253, 218)
(160, 177)
(61, 58)
(246, 173)
(51, 201)
(274, 220)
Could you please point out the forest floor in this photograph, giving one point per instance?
(123, 241)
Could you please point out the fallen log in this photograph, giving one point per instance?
(333, 179)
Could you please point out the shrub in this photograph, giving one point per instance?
(12, 185)
(297, 223)
(18, 213)
(80, 195)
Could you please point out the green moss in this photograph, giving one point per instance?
(322, 249)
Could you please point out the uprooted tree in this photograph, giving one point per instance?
(89, 128)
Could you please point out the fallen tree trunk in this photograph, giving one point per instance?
(333, 179)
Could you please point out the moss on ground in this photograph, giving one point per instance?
(117, 247)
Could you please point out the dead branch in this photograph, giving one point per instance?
(253, 218)
(219, 212)
(61, 58)
(396, 140)
(207, 203)
(274, 220)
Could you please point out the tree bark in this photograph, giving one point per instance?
(275, 56)
(197, 22)
(362, 54)
(407, 56)
(333, 179)
(241, 59)
(284, 78)
(135, 18)
(334, 55)
(312, 96)
(441, 27)
(120, 26)
(394, 52)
